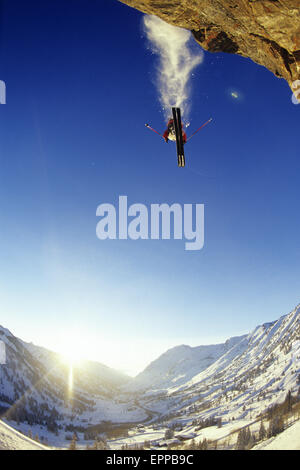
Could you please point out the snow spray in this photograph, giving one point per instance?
(176, 63)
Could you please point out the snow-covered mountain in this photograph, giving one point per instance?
(235, 380)
(256, 372)
(179, 365)
(36, 387)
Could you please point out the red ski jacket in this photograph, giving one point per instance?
(169, 129)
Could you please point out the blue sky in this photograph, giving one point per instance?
(80, 88)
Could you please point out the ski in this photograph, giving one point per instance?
(174, 112)
(179, 140)
(182, 158)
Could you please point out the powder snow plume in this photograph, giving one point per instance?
(176, 63)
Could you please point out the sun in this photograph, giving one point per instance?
(71, 359)
(72, 351)
(71, 354)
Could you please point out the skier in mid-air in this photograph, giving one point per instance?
(170, 133)
(176, 133)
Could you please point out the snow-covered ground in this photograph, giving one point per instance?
(287, 440)
(235, 382)
(10, 439)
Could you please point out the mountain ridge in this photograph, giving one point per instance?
(245, 374)
(167, 367)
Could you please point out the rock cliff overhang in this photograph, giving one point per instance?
(266, 31)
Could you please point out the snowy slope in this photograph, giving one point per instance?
(255, 373)
(10, 439)
(235, 381)
(35, 388)
(287, 440)
(179, 365)
(93, 375)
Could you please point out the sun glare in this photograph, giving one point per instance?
(77, 346)
(71, 352)
(71, 360)
(72, 355)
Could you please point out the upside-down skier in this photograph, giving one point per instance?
(170, 133)
(175, 132)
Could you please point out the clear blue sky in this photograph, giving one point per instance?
(79, 89)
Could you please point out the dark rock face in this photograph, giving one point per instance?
(266, 31)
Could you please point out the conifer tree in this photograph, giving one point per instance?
(73, 443)
(288, 401)
(262, 431)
